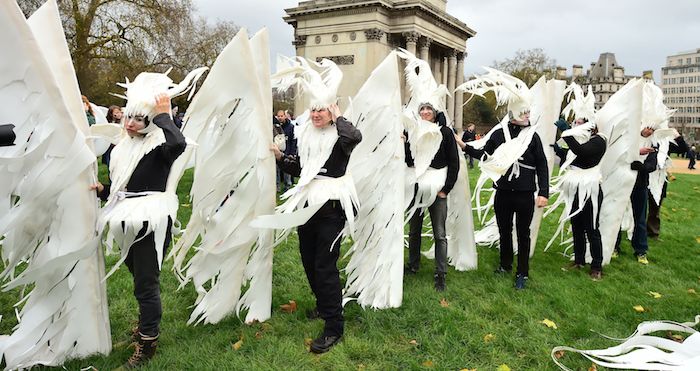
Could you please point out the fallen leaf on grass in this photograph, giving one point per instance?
(503, 367)
(489, 338)
(289, 308)
(258, 335)
(675, 337)
(638, 308)
(558, 354)
(413, 342)
(654, 294)
(186, 205)
(468, 369)
(237, 345)
(549, 323)
(691, 291)
(444, 303)
(428, 363)
(593, 367)
(308, 341)
(697, 239)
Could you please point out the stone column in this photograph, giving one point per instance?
(300, 46)
(411, 41)
(459, 96)
(424, 44)
(451, 80)
(443, 76)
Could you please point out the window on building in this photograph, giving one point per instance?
(688, 61)
(697, 59)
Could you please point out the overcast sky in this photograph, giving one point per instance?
(640, 32)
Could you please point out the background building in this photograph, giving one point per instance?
(358, 34)
(681, 86)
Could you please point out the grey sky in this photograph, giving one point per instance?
(639, 32)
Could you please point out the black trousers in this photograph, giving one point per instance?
(522, 205)
(654, 217)
(582, 226)
(320, 264)
(142, 262)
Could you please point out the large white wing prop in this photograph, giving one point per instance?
(51, 221)
(375, 269)
(234, 181)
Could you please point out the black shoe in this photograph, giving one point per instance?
(313, 314)
(145, 349)
(410, 270)
(520, 281)
(324, 344)
(440, 282)
(502, 270)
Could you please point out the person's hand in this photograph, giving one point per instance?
(442, 194)
(403, 138)
(676, 134)
(541, 201)
(562, 125)
(646, 150)
(99, 187)
(162, 103)
(335, 111)
(276, 151)
(459, 142)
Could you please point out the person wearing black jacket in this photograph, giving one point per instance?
(653, 217)
(446, 156)
(584, 223)
(319, 237)
(639, 200)
(150, 175)
(515, 195)
(469, 136)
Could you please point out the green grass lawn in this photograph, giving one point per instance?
(423, 333)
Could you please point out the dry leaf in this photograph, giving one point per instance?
(289, 308)
(559, 353)
(258, 335)
(237, 345)
(697, 239)
(468, 369)
(361, 367)
(428, 363)
(489, 338)
(654, 294)
(675, 337)
(691, 291)
(308, 341)
(639, 308)
(413, 342)
(503, 367)
(444, 303)
(549, 323)
(593, 367)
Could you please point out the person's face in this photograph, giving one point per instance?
(321, 118)
(427, 114)
(647, 132)
(86, 106)
(523, 119)
(117, 114)
(281, 117)
(470, 128)
(578, 122)
(134, 124)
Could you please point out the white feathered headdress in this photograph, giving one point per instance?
(319, 81)
(509, 90)
(582, 105)
(655, 114)
(422, 84)
(140, 94)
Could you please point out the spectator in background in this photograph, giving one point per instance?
(177, 119)
(88, 111)
(114, 116)
(469, 135)
(290, 147)
(691, 158)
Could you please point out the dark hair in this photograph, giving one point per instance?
(110, 114)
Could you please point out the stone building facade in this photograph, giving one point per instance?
(358, 34)
(680, 81)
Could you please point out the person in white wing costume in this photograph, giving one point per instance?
(141, 200)
(324, 197)
(579, 182)
(514, 158)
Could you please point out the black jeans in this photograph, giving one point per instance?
(522, 205)
(320, 264)
(142, 262)
(438, 216)
(582, 226)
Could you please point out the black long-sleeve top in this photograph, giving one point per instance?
(532, 157)
(446, 155)
(587, 154)
(151, 173)
(348, 137)
(644, 169)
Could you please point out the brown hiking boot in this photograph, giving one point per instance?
(145, 349)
